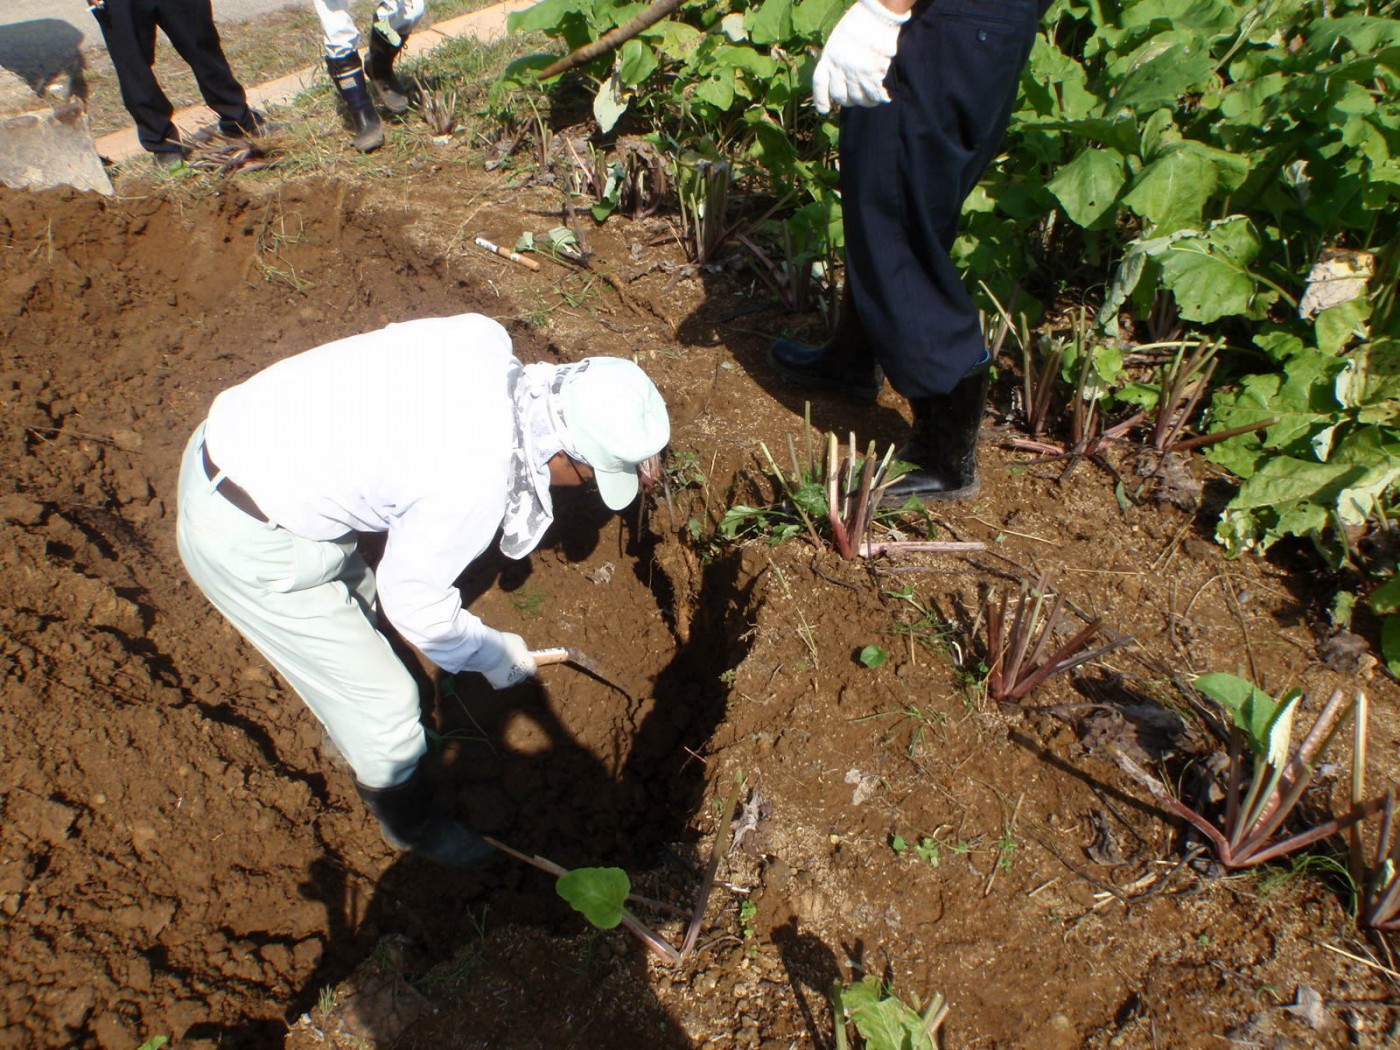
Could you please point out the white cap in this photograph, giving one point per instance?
(616, 420)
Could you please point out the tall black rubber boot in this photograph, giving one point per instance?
(348, 74)
(845, 364)
(407, 823)
(379, 67)
(943, 447)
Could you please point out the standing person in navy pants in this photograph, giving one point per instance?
(129, 30)
(927, 89)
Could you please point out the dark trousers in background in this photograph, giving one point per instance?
(129, 30)
(906, 169)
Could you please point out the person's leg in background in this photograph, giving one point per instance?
(906, 169)
(394, 20)
(309, 606)
(347, 71)
(189, 24)
(129, 31)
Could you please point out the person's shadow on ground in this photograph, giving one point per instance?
(744, 324)
(42, 52)
(555, 798)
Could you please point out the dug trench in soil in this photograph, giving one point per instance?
(179, 855)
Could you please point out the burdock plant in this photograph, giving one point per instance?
(439, 109)
(1267, 776)
(1022, 649)
(1380, 883)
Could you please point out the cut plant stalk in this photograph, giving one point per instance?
(217, 152)
(439, 109)
(1019, 641)
(704, 198)
(1378, 882)
(1039, 385)
(851, 525)
(1184, 381)
(850, 521)
(1261, 732)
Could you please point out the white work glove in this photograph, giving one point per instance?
(515, 665)
(851, 71)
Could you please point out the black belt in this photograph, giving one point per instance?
(230, 491)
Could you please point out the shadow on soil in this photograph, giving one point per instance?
(558, 799)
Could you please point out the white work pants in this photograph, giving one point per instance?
(309, 608)
(338, 24)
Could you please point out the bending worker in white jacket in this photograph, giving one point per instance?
(429, 431)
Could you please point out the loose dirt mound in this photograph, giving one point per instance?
(179, 855)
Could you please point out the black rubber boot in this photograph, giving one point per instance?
(943, 447)
(348, 73)
(845, 364)
(379, 67)
(407, 823)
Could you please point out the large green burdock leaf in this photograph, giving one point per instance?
(598, 893)
(717, 90)
(1286, 496)
(1055, 84)
(1299, 397)
(1374, 455)
(1122, 134)
(1371, 382)
(1161, 80)
(817, 16)
(1283, 479)
(771, 23)
(1207, 16)
(1365, 34)
(1088, 186)
(1209, 272)
(1255, 101)
(1172, 191)
(636, 62)
(545, 15)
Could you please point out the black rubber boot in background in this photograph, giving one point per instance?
(845, 364)
(943, 447)
(379, 67)
(407, 822)
(348, 74)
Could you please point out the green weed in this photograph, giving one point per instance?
(528, 602)
(927, 849)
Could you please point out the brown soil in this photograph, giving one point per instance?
(179, 856)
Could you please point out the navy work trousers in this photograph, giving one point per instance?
(907, 167)
(129, 30)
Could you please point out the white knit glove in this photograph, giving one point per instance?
(515, 665)
(851, 71)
